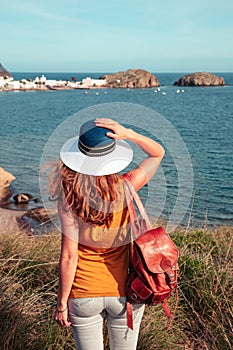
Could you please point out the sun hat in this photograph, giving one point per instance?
(95, 153)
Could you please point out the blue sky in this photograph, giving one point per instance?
(113, 35)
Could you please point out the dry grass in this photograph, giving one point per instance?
(28, 286)
(204, 316)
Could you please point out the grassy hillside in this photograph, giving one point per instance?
(28, 285)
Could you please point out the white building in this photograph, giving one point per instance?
(13, 85)
(93, 82)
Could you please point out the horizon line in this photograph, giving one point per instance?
(167, 72)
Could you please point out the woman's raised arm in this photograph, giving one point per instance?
(154, 151)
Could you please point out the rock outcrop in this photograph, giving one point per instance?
(131, 78)
(4, 73)
(10, 221)
(22, 198)
(37, 220)
(5, 180)
(41, 214)
(200, 79)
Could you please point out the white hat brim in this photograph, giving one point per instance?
(108, 164)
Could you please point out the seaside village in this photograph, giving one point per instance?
(7, 83)
(42, 83)
(129, 79)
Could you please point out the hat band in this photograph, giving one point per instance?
(96, 151)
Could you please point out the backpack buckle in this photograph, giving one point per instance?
(134, 296)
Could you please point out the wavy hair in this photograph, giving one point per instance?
(91, 198)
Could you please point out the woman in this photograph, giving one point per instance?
(94, 218)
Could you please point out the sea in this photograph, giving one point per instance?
(194, 124)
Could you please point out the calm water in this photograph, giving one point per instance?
(202, 116)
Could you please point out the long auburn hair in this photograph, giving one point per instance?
(89, 197)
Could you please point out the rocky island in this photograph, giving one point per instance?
(200, 79)
(131, 78)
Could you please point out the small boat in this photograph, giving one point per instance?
(57, 87)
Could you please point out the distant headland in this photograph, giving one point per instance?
(131, 79)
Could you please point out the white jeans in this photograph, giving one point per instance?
(87, 314)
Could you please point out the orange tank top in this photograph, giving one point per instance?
(103, 256)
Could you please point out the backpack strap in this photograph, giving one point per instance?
(166, 309)
(138, 227)
(129, 311)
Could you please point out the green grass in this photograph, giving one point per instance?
(204, 318)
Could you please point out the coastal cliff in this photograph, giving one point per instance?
(4, 73)
(200, 79)
(131, 78)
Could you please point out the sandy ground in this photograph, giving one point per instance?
(8, 219)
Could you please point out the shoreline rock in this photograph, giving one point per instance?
(41, 214)
(11, 220)
(22, 198)
(131, 78)
(5, 181)
(21, 212)
(31, 221)
(200, 79)
(38, 220)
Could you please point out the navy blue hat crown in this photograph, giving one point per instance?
(93, 140)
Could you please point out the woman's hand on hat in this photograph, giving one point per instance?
(119, 132)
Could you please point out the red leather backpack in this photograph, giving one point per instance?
(154, 267)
